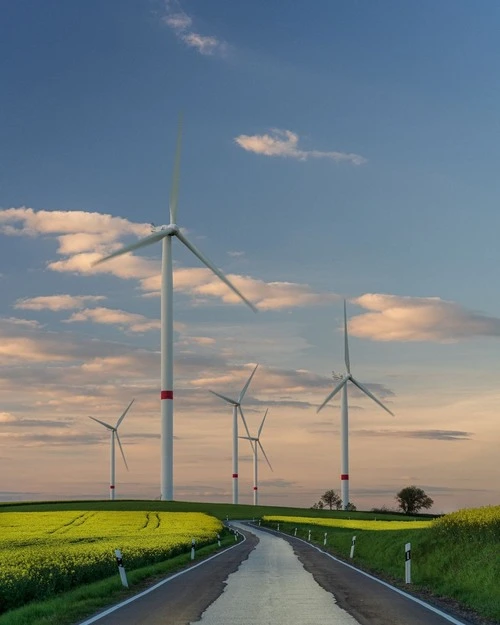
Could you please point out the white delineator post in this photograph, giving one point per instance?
(193, 543)
(408, 563)
(121, 568)
(112, 467)
(167, 373)
(218, 540)
(295, 532)
(324, 540)
(309, 537)
(278, 527)
(353, 545)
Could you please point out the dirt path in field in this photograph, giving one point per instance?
(272, 579)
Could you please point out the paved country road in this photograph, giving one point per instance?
(269, 579)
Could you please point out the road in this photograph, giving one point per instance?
(269, 579)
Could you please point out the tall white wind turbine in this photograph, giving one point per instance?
(236, 404)
(255, 443)
(114, 434)
(165, 234)
(344, 427)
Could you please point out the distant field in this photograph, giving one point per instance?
(44, 553)
(218, 510)
(455, 556)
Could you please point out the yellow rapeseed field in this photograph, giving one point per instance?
(355, 524)
(42, 553)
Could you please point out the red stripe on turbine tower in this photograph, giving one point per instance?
(167, 395)
(255, 488)
(235, 475)
(344, 476)
(111, 486)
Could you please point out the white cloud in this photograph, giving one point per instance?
(397, 318)
(176, 19)
(285, 143)
(56, 302)
(130, 321)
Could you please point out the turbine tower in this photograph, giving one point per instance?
(344, 427)
(236, 404)
(114, 434)
(255, 443)
(165, 234)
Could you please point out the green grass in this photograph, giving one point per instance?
(455, 557)
(218, 510)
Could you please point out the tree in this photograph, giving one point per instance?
(318, 506)
(330, 498)
(351, 507)
(412, 499)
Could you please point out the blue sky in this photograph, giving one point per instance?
(385, 185)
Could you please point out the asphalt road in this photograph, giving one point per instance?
(272, 579)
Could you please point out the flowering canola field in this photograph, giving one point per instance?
(355, 524)
(43, 553)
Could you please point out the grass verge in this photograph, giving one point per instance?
(466, 571)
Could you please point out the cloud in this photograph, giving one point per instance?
(285, 143)
(130, 321)
(180, 23)
(7, 419)
(56, 302)
(439, 435)
(204, 284)
(397, 318)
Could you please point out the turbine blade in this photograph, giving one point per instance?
(214, 269)
(106, 425)
(371, 395)
(346, 341)
(174, 193)
(265, 456)
(121, 449)
(123, 415)
(244, 421)
(262, 424)
(333, 393)
(242, 394)
(152, 238)
(228, 399)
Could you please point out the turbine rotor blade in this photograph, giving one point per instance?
(121, 449)
(242, 394)
(262, 424)
(174, 193)
(124, 413)
(213, 268)
(265, 456)
(244, 421)
(346, 341)
(152, 238)
(370, 395)
(106, 425)
(334, 392)
(233, 402)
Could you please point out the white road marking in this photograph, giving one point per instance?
(428, 606)
(101, 615)
(272, 587)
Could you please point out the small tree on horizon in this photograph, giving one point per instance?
(331, 499)
(412, 499)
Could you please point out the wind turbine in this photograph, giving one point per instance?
(255, 443)
(344, 427)
(236, 404)
(165, 234)
(114, 433)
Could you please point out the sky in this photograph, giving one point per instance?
(339, 149)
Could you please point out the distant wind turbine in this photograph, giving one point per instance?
(165, 234)
(236, 404)
(344, 434)
(114, 433)
(255, 443)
